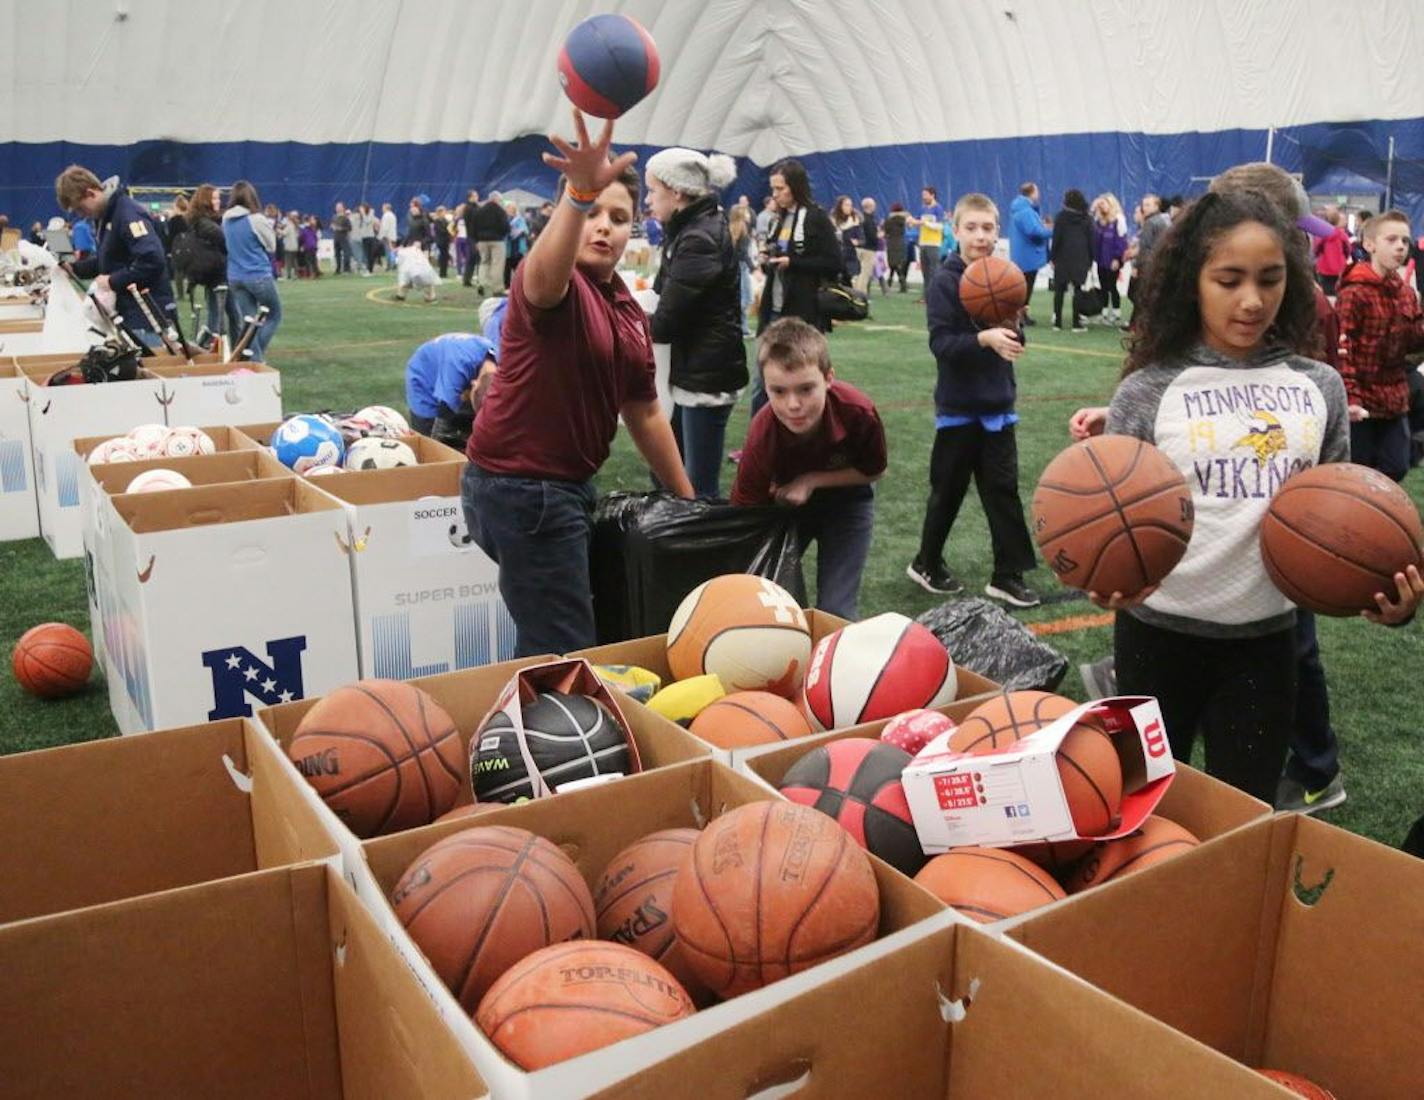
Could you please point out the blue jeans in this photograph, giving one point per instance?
(746, 300)
(700, 431)
(840, 521)
(245, 295)
(538, 532)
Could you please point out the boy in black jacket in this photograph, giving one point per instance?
(974, 422)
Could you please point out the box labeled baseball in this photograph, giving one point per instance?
(220, 393)
(19, 507)
(226, 598)
(1021, 794)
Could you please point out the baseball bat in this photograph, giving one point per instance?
(152, 320)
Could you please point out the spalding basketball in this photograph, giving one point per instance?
(1112, 514)
(750, 718)
(482, 899)
(992, 290)
(857, 782)
(1301, 1086)
(768, 890)
(608, 64)
(914, 729)
(52, 660)
(875, 669)
(988, 884)
(573, 998)
(382, 754)
(1157, 841)
(1335, 535)
(632, 899)
(747, 631)
(566, 737)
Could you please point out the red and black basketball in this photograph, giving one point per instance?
(857, 782)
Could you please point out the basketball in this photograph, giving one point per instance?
(1336, 534)
(1157, 841)
(480, 900)
(875, 669)
(914, 729)
(565, 738)
(1057, 857)
(52, 660)
(750, 718)
(857, 782)
(632, 899)
(747, 631)
(988, 884)
(1299, 1085)
(382, 754)
(1112, 514)
(768, 890)
(1088, 764)
(992, 290)
(609, 63)
(571, 998)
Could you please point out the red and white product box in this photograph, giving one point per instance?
(1015, 796)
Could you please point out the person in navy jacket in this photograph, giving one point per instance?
(130, 246)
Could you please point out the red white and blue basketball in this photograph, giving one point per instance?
(875, 669)
(857, 782)
(609, 63)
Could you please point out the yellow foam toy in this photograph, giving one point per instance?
(683, 701)
(637, 683)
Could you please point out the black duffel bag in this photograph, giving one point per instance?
(843, 303)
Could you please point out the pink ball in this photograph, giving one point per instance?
(914, 729)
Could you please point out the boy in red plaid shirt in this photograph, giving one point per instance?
(1380, 323)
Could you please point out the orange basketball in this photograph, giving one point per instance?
(632, 899)
(1335, 535)
(1299, 1085)
(571, 998)
(1057, 857)
(383, 754)
(52, 660)
(988, 884)
(482, 899)
(750, 718)
(992, 290)
(1157, 841)
(1005, 718)
(747, 631)
(768, 890)
(1112, 514)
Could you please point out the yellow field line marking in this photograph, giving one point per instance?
(374, 295)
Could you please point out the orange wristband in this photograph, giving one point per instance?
(580, 196)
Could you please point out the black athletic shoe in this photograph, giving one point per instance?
(1013, 591)
(935, 578)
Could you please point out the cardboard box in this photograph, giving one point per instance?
(19, 507)
(427, 451)
(275, 984)
(106, 820)
(225, 439)
(1289, 944)
(651, 653)
(210, 393)
(956, 1014)
(592, 826)
(427, 598)
(224, 595)
(1015, 795)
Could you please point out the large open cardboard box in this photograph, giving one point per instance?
(19, 507)
(1289, 944)
(210, 393)
(105, 820)
(277, 984)
(592, 826)
(427, 451)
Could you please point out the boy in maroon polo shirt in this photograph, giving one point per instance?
(575, 355)
(819, 446)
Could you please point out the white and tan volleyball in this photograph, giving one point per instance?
(748, 631)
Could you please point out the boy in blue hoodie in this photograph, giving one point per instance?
(974, 423)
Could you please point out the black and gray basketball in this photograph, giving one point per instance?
(568, 737)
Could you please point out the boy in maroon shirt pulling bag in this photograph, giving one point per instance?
(818, 446)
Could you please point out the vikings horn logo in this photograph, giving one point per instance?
(1264, 435)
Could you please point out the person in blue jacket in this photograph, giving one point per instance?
(251, 244)
(439, 377)
(129, 251)
(1029, 235)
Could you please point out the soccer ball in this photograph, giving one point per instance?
(384, 420)
(373, 453)
(113, 450)
(306, 441)
(183, 442)
(148, 440)
(154, 481)
(322, 471)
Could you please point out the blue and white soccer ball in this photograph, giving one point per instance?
(304, 441)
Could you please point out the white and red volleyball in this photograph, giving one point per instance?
(747, 631)
(875, 669)
(608, 64)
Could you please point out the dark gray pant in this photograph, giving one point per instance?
(841, 522)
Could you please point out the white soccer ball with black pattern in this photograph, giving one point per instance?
(185, 441)
(375, 453)
(568, 737)
(384, 417)
(305, 441)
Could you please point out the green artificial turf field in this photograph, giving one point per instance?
(344, 343)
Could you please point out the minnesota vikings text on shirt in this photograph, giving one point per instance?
(1248, 419)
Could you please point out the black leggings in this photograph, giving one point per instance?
(1107, 279)
(1240, 693)
(1060, 288)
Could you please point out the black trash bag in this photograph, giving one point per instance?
(1414, 842)
(984, 638)
(652, 549)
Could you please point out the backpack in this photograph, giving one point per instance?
(843, 303)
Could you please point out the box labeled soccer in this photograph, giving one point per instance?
(19, 507)
(226, 598)
(1019, 794)
(427, 598)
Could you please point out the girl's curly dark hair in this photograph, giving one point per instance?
(1170, 307)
